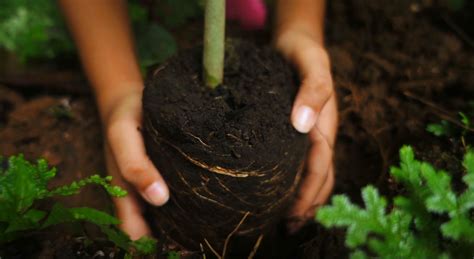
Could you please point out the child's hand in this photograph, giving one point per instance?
(314, 112)
(129, 165)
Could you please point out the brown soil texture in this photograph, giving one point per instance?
(224, 153)
(396, 66)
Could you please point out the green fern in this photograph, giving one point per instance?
(432, 221)
(22, 184)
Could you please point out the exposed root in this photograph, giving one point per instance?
(212, 168)
(202, 196)
(256, 246)
(220, 170)
(208, 184)
(198, 139)
(202, 251)
(226, 243)
(212, 249)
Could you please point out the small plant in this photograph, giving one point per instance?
(23, 184)
(431, 221)
(447, 129)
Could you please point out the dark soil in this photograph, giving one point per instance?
(397, 66)
(225, 152)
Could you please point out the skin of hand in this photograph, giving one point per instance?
(102, 33)
(299, 37)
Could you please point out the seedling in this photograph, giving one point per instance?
(431, 221)
(447, 129)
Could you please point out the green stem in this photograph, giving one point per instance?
(214, 33)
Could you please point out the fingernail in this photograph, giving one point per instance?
(156, 194)
(304, 119)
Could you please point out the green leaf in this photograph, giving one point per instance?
(93, 216)
(465, 120)
(145, 245)
(466, 201)
(358, 254)
(409, 170)
(22, 183)
(442, 198)
(59, 214)
(374, 204)
(118, 237)
(359, 222)
(75, 187)
(440, 129)
(173, 255)
(154, 44)
(469, 180)
(411, 229)
(458, 227)
(469, 162)
(29, 220)
(138, 14)
(33, 29)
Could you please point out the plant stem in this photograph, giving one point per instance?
(214, 33)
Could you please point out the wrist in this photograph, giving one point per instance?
(109, 98)
(304, 50)
(296, 37)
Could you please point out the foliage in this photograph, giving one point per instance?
(23, 184)
(33, 29)
(154, 43)
(443, 128)
(173, 255)
(431, 221)
(447, 129)
(36, 30)
(175, 13)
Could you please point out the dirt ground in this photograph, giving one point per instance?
(396, 66)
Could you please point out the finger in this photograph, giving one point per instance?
(127, 146)
(130, 215)
(323, 195)
(326, 126)
(127, 208)
(319, 165)
(319, 162)
(314, 93)
(324, 134)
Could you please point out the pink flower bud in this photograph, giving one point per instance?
(251, 14)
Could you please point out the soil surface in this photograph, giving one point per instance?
(396, 66)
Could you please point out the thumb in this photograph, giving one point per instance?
(313, 94)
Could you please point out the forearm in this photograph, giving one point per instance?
(102, 34)
(302, 15)
(299, 33)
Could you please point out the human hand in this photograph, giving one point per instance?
(314, 112)
(129, 165)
